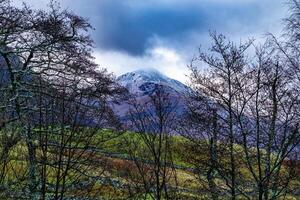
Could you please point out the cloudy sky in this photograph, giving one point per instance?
(165, 34)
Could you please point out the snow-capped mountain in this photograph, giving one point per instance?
(143, 82)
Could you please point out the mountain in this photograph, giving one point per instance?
(142, 83)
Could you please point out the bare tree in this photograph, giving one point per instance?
(219, 85)
(254, 107)
(269, 122)
(51, 87)
(153, 121)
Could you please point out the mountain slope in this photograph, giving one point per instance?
(141, 82)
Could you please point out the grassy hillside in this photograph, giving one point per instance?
(111, 170)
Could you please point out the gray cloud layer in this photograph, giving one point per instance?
(123, 25)
(130, 25)
(139, 30)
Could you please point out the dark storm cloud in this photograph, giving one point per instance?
(129, 28)
(130, 25)
(165, 34)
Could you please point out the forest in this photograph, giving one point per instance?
(233, 135)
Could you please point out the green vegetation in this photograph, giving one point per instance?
(113, 149)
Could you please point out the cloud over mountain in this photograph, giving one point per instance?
(133, 28)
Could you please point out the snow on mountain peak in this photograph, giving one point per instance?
(135, 81)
